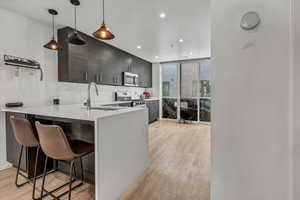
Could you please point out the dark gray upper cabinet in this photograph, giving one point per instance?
(145, 73)
(98, 62)
(72, 60)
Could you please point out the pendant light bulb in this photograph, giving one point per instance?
(75, 38)
(103, 32)
(52, 45)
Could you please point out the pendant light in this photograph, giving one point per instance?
(103, 32)
(75, 38)
(52, 45)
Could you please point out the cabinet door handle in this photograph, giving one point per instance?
(100, 77)
(86, 76)
(97, 78)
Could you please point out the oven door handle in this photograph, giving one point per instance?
(136, 81)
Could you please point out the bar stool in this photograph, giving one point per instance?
(55, 145)
(24, 135)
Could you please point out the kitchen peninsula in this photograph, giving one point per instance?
(120, 135)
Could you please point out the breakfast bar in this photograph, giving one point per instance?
(120, 136)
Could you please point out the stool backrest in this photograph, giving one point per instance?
(54, 142)
(23, 132)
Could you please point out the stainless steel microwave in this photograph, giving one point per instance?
(130, 79)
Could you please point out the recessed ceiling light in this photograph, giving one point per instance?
(139, 47)
(180, 40)
(156, 57)
(191, 53)
(162, 15)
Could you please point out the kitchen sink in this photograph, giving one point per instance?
(104, 108)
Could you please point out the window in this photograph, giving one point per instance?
(169, 90)
(205, 90)
(189, 79)
(169, 79)
(186, 90)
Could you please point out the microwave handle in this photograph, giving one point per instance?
(135, 80)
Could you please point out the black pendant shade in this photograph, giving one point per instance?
(52, 45)
(75, 37)
(103, 32)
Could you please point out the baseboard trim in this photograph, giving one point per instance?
(5, 166)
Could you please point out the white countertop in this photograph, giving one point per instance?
(76, 111)
(126, 130)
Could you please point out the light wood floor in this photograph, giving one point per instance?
(179, 168)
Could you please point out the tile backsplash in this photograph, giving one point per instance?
(27, 87)
(78, 92)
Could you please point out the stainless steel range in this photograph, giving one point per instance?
(138, 103)
(129, 100)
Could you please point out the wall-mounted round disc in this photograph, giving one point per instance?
(250, 21)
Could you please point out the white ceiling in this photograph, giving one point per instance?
(135, 22)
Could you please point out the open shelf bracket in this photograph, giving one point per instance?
(23, 63)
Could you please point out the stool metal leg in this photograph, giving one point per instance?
(44, 177)
(81, 166)
(71, 178)
(18, 169)
(74, 170)
(35, 168)
(33, 180)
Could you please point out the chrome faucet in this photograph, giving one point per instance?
(88, 101)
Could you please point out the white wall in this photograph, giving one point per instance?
(251, 114)
(24, 37)
(296, 104)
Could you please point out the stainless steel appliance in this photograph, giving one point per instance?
(130, 79)
(122, 96)
(140, 103)
(128, 100)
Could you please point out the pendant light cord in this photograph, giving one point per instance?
(103, 11)
(75, 19)
(53, 27)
